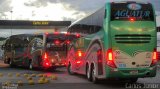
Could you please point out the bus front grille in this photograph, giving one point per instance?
(133, 38)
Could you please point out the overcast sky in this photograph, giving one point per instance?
(55, 9)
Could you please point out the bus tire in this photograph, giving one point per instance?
(11, 64)
(88, 73)
(93, 74)
(8, 60)
(30, 65)
(69, 69)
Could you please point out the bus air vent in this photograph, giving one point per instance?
(133, 38)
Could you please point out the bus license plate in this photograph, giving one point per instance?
(134, 72)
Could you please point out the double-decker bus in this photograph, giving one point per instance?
(117, 41)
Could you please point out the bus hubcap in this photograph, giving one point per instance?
(10, 62)
(88, 74)
(30, 66)
(69, 69)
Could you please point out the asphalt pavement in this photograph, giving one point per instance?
(66, 81)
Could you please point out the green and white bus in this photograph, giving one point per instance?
(117, 41)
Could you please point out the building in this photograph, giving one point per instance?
(29, 25)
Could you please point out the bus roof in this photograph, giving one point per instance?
(140, 2)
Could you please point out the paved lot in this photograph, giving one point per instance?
(65, 81)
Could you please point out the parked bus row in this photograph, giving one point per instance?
(37, 51)
(117, 41)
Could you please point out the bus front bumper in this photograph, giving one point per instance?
(129, 72)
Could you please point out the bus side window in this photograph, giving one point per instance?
(39, 44)
(33, 48)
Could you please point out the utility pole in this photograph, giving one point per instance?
(11, 22)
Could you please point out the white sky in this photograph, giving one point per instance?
(54, 9)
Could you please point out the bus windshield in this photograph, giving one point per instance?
(126, 11)
(54, 42)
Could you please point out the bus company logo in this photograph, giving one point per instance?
(134, 6)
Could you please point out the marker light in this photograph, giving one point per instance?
(57, 42)
(68, 42)
(67, 33)
(77, 35)
(45, 56)
(79, 53)
(154, 58)
(110, 55)
(132, 19)
(46, 62)
(78, 62)
(110, 58)
(154, 55)
(46, 33)
(56, 33)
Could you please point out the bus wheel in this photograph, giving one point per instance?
(93, 74)
(11, 63)
(88, 73)
(8, 61)
(133, 80)
(30, 65)
(69, 69)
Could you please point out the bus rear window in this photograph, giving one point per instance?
(125, 11)
(61, 37)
